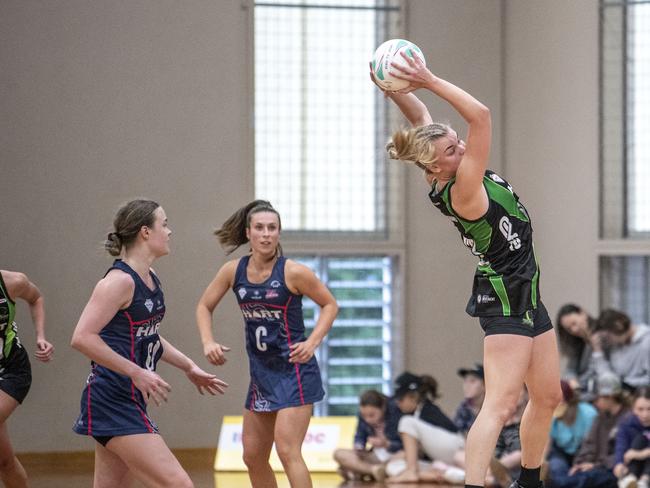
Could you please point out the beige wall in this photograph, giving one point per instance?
(104, 101)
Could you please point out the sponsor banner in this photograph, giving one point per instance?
(325, 434)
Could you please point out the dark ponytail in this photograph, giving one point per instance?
(429, 387)
(128, 221)
(232, 233)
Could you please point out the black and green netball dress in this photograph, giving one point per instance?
(15, 370)
(506, 282)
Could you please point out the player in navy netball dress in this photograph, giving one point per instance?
(285, 379)
(119, 330)
(519, 345)
(15, 370)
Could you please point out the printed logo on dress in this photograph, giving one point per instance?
(149, 304)
(242, 292)
(506, 227)
(256, 295)
(528, 319)
(256, 312)
(485, 298)
(260, 404)
(271, 294)
(275, 284)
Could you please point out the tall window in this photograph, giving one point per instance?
(625, 122)
(320, 131)
(625, 156)
(320, 126)
(356, 355)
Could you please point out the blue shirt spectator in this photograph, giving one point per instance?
(569, 437)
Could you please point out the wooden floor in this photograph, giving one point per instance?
(75, 470)
(208, 479)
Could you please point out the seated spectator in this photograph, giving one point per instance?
(632, 455)
(575, 334)
(473, 395)
(424, 427)
(571, 424)
(376, 440)
(628, 347)
(593, 464)
(503, 467)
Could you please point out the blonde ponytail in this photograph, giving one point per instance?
(416, 144)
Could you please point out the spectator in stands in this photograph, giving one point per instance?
(575, 333)
(376, 440)
(571, 424)
(632, 455)
(424, 427)
(473, 395)
(593, 464)
(628, 348)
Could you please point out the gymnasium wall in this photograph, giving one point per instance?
(104, 101)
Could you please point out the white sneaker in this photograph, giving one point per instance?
(643, 483)
(455, 476)
(395, 467)
(628, 481)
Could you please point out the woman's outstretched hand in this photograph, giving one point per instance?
(414, 71)
(205, 382)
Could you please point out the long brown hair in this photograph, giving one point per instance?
(128, 221)
(570, 345)
(232, 233)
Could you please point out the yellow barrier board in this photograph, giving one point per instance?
(325, 434)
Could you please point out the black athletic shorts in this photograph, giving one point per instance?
(531, 324)
(16, 374)
(103, 439)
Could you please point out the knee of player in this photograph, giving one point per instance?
(287, 452)
(548, 399)
(254, 457)
(501, 410)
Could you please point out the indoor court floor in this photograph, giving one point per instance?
(75, 470)
(209, 479)
(205, 478)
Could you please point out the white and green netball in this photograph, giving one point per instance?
(385, 54)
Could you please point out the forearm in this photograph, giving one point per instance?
(412, 108)
(174, 357)
(204, 323)
(94, 347)
(37, 310)
(324, 323)
(465, 104)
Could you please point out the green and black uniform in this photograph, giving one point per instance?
(505, 294)
(15, 370)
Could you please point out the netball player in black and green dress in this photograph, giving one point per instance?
(519, 345)
(15, 370)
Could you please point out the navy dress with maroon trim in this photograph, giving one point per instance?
(273, 320)
(111, 405)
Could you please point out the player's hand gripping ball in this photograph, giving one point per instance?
(387, 53)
